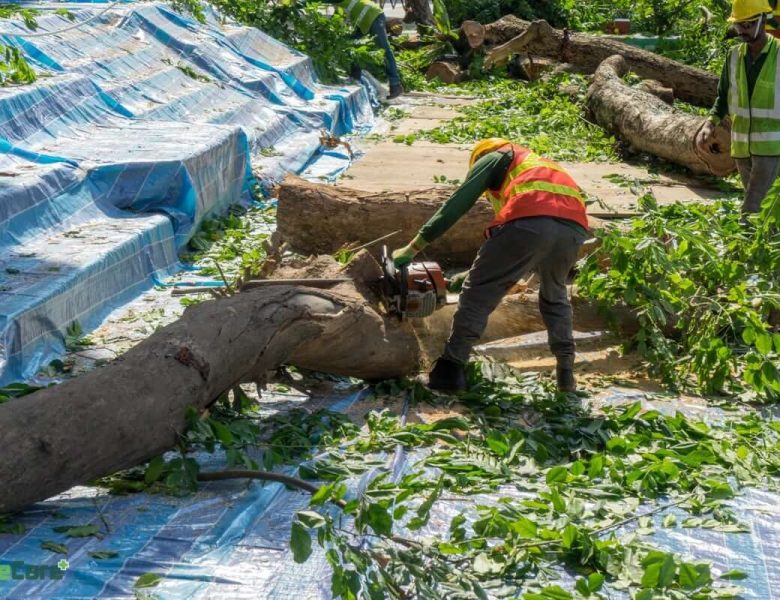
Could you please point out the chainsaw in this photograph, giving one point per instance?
(413, 291)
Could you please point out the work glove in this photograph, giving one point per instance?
(403, 256)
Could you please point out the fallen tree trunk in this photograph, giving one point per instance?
(538, 38)
(650, 125)
(134, 408)
(518, 314)
(345, 216)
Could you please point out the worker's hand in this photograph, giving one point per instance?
(403, 256)
(704, 136)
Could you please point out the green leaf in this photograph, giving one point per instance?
(524, 528)
(734, 574)
(569, 536)
(222, 433)
(147, 580)
(104, 554)
(54, 547)
(379, 519)
(154, 470)
(557, 474)
(694, 576)
(660, 569)
(484, 565)
(595, 582)
(670, 520)
(78, 531)
(596, 467)
(764, 342)
(310, 519)
(449, 549)
(300, 542)
(551, 592)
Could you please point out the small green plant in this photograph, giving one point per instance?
(706, 289)
(304, 25)
(14, 68)
(75, 339)
(10, 11)
(445, 179)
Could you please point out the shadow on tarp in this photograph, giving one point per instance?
(142, 124)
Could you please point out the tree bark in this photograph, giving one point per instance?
(652, 126)
(346, 216)
(134, 408)
(518, 314)
(538, 38)
(444, 72)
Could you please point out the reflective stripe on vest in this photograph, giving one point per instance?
(361, 13)
(755, 121)
(537, 187)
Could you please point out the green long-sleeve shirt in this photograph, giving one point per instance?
(487, 173)
(752, 69)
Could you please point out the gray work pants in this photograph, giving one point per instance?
(512, 252)
(758, 173)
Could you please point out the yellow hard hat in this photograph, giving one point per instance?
(482, 147)
(745, 10)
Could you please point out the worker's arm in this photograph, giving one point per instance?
(719, 110)
(721, 107)
(487, 172)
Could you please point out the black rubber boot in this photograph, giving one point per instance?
(564, 376)
(447, 376)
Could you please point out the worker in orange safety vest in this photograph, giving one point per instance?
(540, 224)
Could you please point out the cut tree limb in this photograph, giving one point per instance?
(134, 408)
(539, 38)
(650, 125)
(345, 216)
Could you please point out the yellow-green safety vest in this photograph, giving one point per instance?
(360, 13)
(755, 121)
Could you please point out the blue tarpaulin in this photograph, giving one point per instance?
(142, 123)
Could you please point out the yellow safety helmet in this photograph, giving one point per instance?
(482, 147)
(745, 10)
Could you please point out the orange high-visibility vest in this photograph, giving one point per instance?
(536, 187)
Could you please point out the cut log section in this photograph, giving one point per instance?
(471, 35)
(539, 38)
(345, 216)
(650, 125)
(444, 72)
